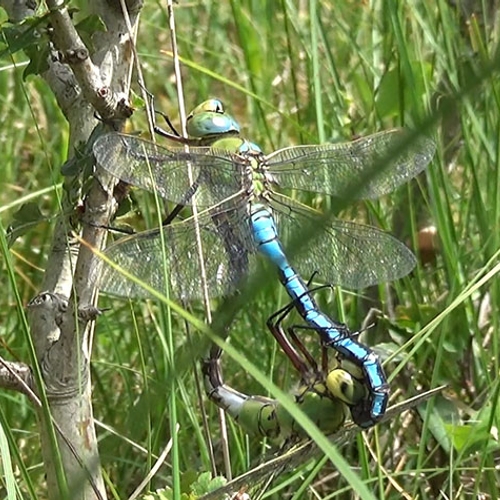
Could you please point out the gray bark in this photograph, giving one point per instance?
(61, 317)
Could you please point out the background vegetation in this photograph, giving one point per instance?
(292, 73)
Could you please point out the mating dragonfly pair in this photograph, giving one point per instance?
(242, 214)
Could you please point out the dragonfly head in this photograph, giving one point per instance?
(345, 387)
(362, 415)
(209, 120)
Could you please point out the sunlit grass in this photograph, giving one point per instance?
(289, 78)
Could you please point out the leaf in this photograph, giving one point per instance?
(205, 484)
(388, 97)
(4, 17)
(467, 436)
(136, 100)
(83, 159)
(87, 27)
(39, 58)
(362, 91)
(20, 36)
(393, 90)
(29, 36)
(90, 25)
(440, 413)
(28, 216)
(165, 494)
(81, 162)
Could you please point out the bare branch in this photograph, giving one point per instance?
(95, 90)
(61, 318)
(16, 376)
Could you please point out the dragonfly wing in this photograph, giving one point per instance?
(174, 260)
(175, 174)
(343, 253)
(366, 168)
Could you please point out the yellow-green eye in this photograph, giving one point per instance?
(344, 386)
(208, 106)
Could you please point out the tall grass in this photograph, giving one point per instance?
(292, 73)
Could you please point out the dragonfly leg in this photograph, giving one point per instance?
(298, 342)
(161, 131)
(267, 417)
(274, 326)
(344, 382)
(365, 368)
(173, 135)
(303, 349)
(120, 230)
(369, 410)
(309, 366)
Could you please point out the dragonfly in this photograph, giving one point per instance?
(323, 398)
(290, 458)
(237, 185)
(260, 415)
(323, 394)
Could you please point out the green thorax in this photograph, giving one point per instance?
(209, 123)
(251, 156)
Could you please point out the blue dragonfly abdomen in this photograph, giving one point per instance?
(366, 412)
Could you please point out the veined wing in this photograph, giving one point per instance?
(174, 260)
(215, 175)
(375, 165)
(343, 253)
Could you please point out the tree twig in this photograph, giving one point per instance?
(15, 376)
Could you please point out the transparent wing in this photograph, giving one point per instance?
(378, 163)
(226, 249)
(215, 175)
(343, 253)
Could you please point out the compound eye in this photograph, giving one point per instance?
(344, 386)
(209, 106)
(218, 106)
